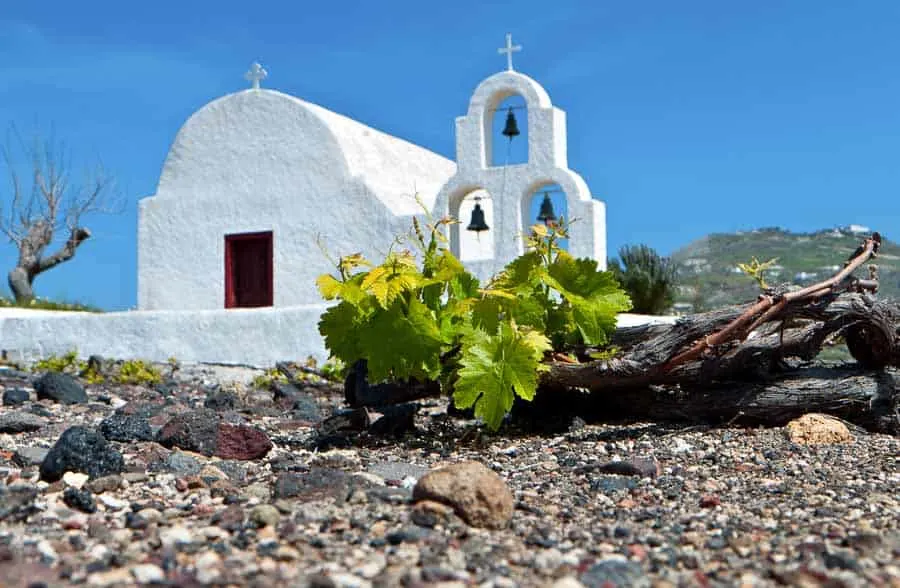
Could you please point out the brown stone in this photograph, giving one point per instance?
(231, 518)
(709, 501)
(222, 488)
(428, 513)
(241, 442)
(477, 494)
(104, 484)
(818, 429)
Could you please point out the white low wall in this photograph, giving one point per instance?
(257, 337)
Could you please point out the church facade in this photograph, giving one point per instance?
(262, 191)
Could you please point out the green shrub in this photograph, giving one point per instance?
(132, 371)
(648, 278)
(267, 379)
(44, 304)
(334, 370)
(137, 371)
(67, 363)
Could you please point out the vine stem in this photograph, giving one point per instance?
(770, 306)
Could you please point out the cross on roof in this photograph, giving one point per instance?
(509, 49)
(255, 75)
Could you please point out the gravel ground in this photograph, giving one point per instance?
(202, 481)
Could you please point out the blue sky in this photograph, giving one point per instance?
(685, 117)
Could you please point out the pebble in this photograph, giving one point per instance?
(47, 551)
(75, 479)
(81, 449)
(151, 515)
(148, 574)
(15, 397)
(30, 456)
(114, 577)
(60, 387)
(104, 484)
(112, 503)
(475, 492)
(567, 582)
(81, 500)
(208, 566)
(174, 535)
(129, 426)
(182, 464)
(264, 515)
(20, 422)
(259, 492)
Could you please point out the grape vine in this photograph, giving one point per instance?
(425, 317)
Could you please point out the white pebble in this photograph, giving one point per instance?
(112, 503)
(681, 446)
(173, 535)
(568, 582)
(371, 568)
(208, 565)
(148, 574)
(46, 550)
(345, 580)
(75, 479)
(98, 552)
(548, 559)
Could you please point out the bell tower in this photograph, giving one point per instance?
(510, 188)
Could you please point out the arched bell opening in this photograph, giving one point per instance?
(507, 138)
(472, 238)
(546, 205)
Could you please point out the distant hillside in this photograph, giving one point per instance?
(710, 278)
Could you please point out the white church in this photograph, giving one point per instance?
(257, 183)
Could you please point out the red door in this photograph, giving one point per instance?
(248, 270)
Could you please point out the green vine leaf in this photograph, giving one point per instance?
(494, 367)
(402, 344)
(398, 274)
(521, 274)
(340, 326)
(329, 286)
(595, 296)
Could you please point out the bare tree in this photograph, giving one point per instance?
(36, 211)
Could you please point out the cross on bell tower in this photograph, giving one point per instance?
(509, 50)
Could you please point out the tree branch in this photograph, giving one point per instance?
(66, 252)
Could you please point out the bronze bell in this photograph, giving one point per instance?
(477, 223)
(511, 129)
(546, 215)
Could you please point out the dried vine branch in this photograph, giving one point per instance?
(773, 306)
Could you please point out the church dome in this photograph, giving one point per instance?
(278, 132)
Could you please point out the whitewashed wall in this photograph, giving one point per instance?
(250, 336)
